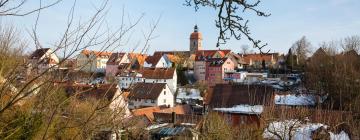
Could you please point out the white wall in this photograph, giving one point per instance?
(168, 96)
(126, 82)
(119, 104)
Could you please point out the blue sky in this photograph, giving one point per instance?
(318, 20)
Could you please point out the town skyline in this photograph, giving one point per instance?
(176, 24)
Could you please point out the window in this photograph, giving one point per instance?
(164, 92)
(152, 101)
(164, 80)
(146, 101)
(164, 100)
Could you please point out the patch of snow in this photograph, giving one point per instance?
(242, 109)
(298, 130)
(293, 99)
(154, 126)
(188, 93)
(341, 136)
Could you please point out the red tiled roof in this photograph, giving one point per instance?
(153, 60)
(147, 111)
(178, 109)
(157, 73)
(146, 90)
(228, 95)
(84, 91)
(97, 53)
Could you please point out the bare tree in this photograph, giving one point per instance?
(351, 43)
(229, 21)
(16, 7)
(244, 49)
(301, 49)
(35, 102)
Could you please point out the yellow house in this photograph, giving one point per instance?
(92, 61)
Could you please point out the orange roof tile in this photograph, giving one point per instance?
(97, 53)
(148, 112)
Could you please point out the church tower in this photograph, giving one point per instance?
(195, 41)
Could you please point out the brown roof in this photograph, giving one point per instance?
(147, 111)
(146, 90)
(150, 111)
(157, 73)
(84, 91)
(115, 58)
(178, 109)
(228, 95)
(238, 58)
(153, 60)
(38, 53)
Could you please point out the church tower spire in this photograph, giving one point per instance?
(195, 40)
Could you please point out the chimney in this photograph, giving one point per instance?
(173, 117)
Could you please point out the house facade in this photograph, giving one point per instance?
(43, 59)
(148, 75)
(201, 58)
(92, 61)
(115, 61)
(156, 75)
(128, 78)
(156, 94)
(216, 69)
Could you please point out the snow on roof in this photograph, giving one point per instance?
(242, 109)
(294, 99)
(298, 130)
(188, 93)
(154, 126)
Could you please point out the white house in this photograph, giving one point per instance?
(43, 59)
(128, 78)
(150, 94)
(92, 61)
(157, 61)
(148, 75)
(160, 75)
